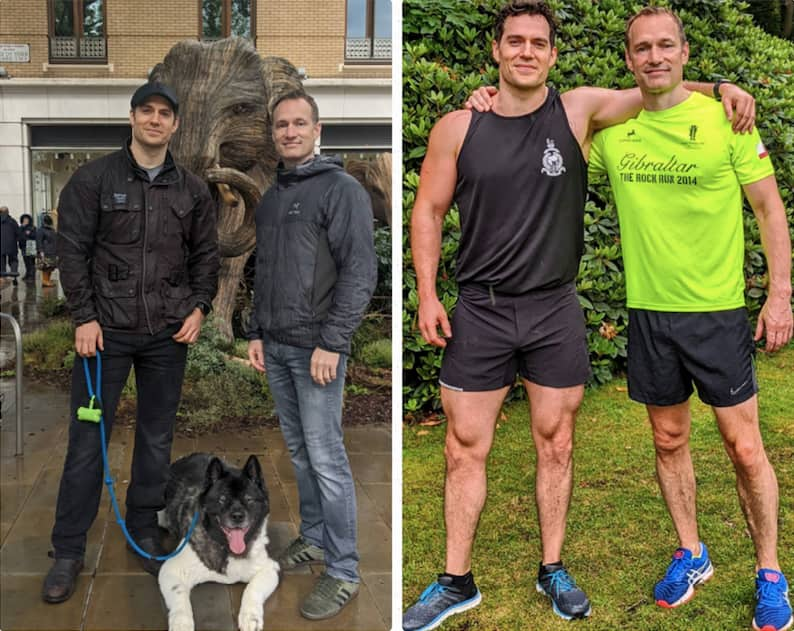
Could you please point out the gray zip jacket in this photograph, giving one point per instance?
(315, 257)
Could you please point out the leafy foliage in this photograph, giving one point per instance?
(217, 388)
(447, 54)
(381, 300)
(50, 348)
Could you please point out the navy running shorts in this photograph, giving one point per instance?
(539, 335)
(669, 352)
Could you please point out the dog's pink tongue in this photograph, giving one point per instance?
(236, 538)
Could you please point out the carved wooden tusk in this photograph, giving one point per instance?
(229, 198)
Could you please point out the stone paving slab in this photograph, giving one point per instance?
(113, 592)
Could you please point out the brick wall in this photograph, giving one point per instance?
(140, 33)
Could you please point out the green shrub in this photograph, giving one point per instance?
(447, 54)
(219, 388)
(381, 299)
(376, 354)
(373, 327)
(50, 306)
(235, 393)
(50, 348)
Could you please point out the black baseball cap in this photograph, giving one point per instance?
(148, 90)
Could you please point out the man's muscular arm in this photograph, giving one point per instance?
(604, 108)
(775, 319)
(590, 109)
(433, 199)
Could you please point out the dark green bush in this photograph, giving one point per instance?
(446, 54)
(50, 348)
(217, 387)
(51, 306)
(377, 353)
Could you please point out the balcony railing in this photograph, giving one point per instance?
(81, 49)
(361, 48)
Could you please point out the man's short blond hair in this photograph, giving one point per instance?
(650, 11)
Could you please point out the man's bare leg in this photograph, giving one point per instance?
(553, 413)
(471, 419)
(671, 425)
(755, 479)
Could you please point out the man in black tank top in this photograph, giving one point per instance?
(518, 176)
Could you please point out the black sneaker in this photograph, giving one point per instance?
(567, 600)
(437, 603)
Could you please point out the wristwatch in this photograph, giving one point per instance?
(716, 88)
(204, 307)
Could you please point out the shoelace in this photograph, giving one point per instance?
(561, 581)
(432, 590)
(770, 594)
(677, 569)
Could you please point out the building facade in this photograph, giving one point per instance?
(69, 67)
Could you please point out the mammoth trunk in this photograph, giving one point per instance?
(224, 89)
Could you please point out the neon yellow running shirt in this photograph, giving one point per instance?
(676, 176)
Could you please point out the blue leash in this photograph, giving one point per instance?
(95, 415)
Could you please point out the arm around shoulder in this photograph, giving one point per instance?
(590, 109)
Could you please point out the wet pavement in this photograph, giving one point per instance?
(113, 592)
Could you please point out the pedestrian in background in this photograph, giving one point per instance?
(9, 234)
(27, 245)
(45, 243)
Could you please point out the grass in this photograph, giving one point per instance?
(620, 537)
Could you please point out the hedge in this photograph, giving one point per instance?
(446, 55)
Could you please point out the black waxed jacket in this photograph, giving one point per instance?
(315, 257)
(136, 255)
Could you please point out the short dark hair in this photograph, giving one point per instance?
(293, 95)
(652, 10)
(525, 7)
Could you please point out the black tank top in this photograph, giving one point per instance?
(521, 188)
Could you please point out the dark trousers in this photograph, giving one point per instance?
(30, 267)
(159, 368)
(9, 264)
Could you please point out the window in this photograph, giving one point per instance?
(226, 18)
(77, 31)
(368, 30)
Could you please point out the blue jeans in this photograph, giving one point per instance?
(159, 364)
(311, 422)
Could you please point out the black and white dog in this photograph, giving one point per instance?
(228, 544)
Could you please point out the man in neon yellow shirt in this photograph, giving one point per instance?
(677, 172)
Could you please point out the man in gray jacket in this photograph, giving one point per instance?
(315, 273)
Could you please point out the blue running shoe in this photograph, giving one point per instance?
(773, 611)
(683, 574)
(567, 600)
(437, 603)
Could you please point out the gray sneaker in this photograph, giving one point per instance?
(328, 597)
(299, 552)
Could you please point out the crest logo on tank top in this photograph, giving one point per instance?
(552, 160)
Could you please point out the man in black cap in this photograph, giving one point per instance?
(138, 258)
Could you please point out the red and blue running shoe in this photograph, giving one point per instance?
(773, 610)
(683, 574)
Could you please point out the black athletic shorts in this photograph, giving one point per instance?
(668, 352)
(540, 335)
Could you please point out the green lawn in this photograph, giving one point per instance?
(619, 537)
